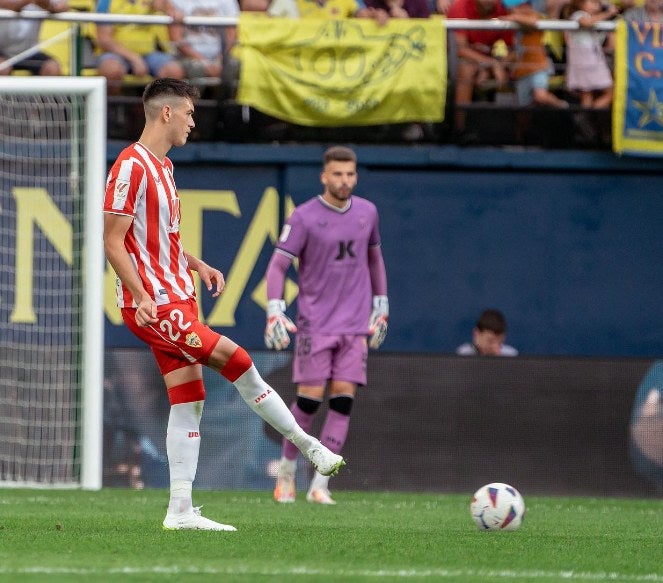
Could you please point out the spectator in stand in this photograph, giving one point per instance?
(401, 8)
(587, 71)
(440, 6)
(201, 48)
(18, 36)
(531, 68)
(652, 11)
(279, 8)
(339, 9)
(474, 53)
(553, 9)
(334, 9)
(488, 337)
(134, 48)
(254, 5)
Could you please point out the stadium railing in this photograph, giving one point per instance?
(491, 116)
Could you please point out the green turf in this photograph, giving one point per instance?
(116, 535)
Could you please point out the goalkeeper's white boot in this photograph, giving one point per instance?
(320, 496)
(193, 520)
(324, 460)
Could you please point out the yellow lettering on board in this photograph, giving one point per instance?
(263, 227)
(34, 207)
(195, 203)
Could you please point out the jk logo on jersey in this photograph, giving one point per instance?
(345, 248)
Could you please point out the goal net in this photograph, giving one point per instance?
(52, 170)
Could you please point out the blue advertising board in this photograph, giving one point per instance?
(566, 245)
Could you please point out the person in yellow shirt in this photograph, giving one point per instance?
(134, 48)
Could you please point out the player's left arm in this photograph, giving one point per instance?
(377, 326)
(211, 277)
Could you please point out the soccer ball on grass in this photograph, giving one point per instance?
(497, 506)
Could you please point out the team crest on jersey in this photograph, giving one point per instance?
(192, 339)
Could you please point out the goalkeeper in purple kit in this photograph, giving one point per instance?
(342, 308)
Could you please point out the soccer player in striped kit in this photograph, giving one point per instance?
(342, 300)
(156, 294)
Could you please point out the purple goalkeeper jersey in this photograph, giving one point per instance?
(335, 295)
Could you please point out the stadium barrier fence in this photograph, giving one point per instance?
(424, 423)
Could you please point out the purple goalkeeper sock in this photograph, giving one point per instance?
(305, 421)
(335, 430)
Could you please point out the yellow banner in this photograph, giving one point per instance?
(343, 72)
(637, 111)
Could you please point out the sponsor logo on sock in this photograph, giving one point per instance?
(261, 397)
(194, 433)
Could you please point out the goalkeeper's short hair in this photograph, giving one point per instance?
(339, 154)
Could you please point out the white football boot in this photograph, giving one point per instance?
(324, 460)
(193, 520)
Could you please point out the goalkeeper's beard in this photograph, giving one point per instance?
(341, 194)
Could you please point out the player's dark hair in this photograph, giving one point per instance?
(167, 87)
(492, 320)
(339, 154)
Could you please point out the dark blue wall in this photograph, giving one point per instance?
(565, 243)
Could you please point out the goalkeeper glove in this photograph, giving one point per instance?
(278, 326)
(377, 326)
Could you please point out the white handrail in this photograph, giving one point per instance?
(449, 23)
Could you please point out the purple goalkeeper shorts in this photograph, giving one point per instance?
(319, 358)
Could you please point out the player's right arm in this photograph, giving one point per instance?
(115, 230)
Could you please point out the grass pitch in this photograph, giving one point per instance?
(116, 535)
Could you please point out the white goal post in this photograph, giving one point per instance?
(52, 173)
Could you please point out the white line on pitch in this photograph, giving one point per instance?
(497, 574)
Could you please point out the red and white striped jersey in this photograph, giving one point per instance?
(141, 186)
